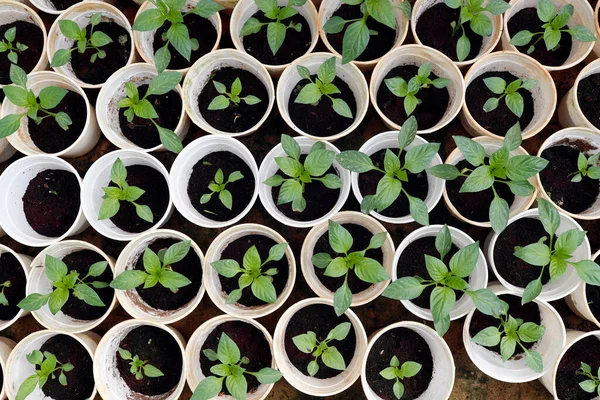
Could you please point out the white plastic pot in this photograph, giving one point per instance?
(477, 280)
(48, 7)
(553, 290)
(308, 249)
(131, 300)
(569, 111)
(193, 353)
(38, 282)
(6, 150)
(389, 140)
(108, 379)
(25, 263)
(516, 370)
(6, 346)
(98, 176)
(311, 385)
(113, 91)
(521, 66)
(442, 379)
(181, 172)
(596, 50)
(269, 167)
(14, 181)
(349, 73)
(578, 303)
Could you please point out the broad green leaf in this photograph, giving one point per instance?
(530, 332)
(356, 39)
(149, 20)
(340, 239)
(480, 179)
(228, 351)
(318, 162)
(179, 36)
(263, 289)
(533, 290)
(305, 342)
(129, 279)
(355, 161)
(463, 262)
(406, 288)
(57, 299)
(444, 171)
(342, 299)
(419, 157)
(340, 331)
(177, 252)
(499, 212)
(473, 152)
(310, 94)
(33, 302)
(333, 359)
(370, 270)
(507, 347)
(534, 361)
(267, 376)
(537, 254)
(488, 337)
(275, 36)
(588, 271)
(418, 210)
(55, 269)
(163, 83)
(208, 388)
(488, 303)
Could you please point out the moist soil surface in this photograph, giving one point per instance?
(160, 297)
(48, 136)
(527, 19)
(434, 102)
(81, 261)
(378, 44)
(407, 345)
(574, 197)
(80, 380)
(529, 312)
(567, 379)
(200, 29)
(203, 174)
(417, 185)
(434, 30)
(63, 4)
(319, 199)
(236, 250)
(295, 45)
(28, 34)
(252, 344)
(11, 270)
(51, 202)
(320, 120)
(361, 237)
(117, 54)
(141, 131)
(475, 206)
(235, 118)
(156, 197)
(320, 319)
(588, 93)
(500, 120)
(160, 349)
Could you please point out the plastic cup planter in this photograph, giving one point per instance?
(521, 66)
(516, 370)
(6, 347)
(98, 176)
(311, 385)
(442, 379)
(349, 73)
(596, 50)
(418, 55)
(48, 6)
(199, 74)
(114, 90)
(109, 383)
(25, 263)
(245, 9)
(583, 14)
(14, 181)
(328, 7)
(131, 300)
(269, 167)
(81, 13)
(569, 111)
(578, 303)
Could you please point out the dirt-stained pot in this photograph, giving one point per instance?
(6, 347)
(578, 300)
(24, 263)
(570, 113)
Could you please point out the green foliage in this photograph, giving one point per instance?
(592, 384)
(586, 167)
(330, 356)
(218, 186)
(510, 94)
(3, 299)
(139, 368)
(49, 366)
(226, 99)
(9, 45)
(398, 373)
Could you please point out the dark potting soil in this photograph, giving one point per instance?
(63, 4)
(11, 270)
(203, 174)
(160, 297)
(500, 120)
(141, 131)
(48, 136)
(567, 380)
(529, 312)
(527, 19)
(361, 236)
(156, 197)
(319, 199)
(588, 93)
(161, 350)
(378, 45)
(407, 345)
(574, 197)
(475, 206)
(320, 319)
(51, 202)
(235, 118)
(320, 120)
(80, 380)
(117, 54)
(236, 250)
(434, 102)
(252, 344)
(200, 29)
(412, 263)
(434, 30)
(81, 261)
(417, 185)
(295, 45)
(28, 34)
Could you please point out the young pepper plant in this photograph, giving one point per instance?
(366, 269)
(3, 299)
(592, 384)
(218, 185)
(330, 356)
(231, 371)
(586, 167)
(9, 45)
(226, 99)
(47, 366)
(512, 98)
(140, 368)
(397, 373)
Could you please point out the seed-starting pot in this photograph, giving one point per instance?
(14, 268)
(577, 107)
(583, 300)
(6, 347)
